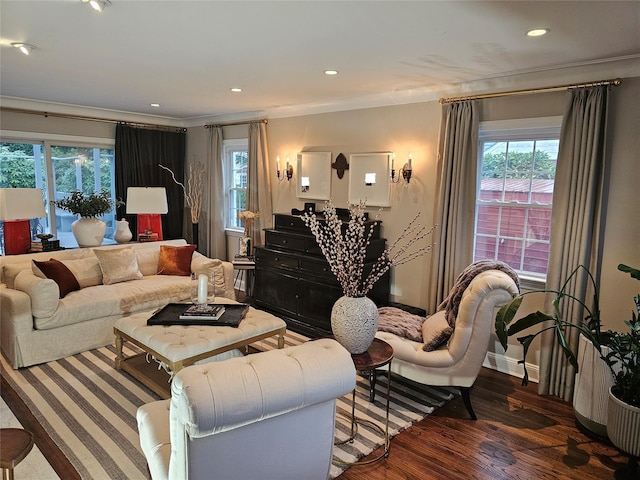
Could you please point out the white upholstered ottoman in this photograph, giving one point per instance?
(178, 346)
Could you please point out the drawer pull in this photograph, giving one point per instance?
(284, 242)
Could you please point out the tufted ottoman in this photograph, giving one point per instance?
(177, 346)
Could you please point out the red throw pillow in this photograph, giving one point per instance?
(59, 273)
(175, 260)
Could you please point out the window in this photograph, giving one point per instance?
(515, 193)
(235, 168)
(58, 168)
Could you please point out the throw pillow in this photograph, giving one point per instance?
(59, 273)
(403, 324)
(175, 260)
(435, 331)
(118, 265)
(201, 264)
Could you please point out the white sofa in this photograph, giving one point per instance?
(37, 326)
(269, 415)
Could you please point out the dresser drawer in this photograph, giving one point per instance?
(291, 222)
(286, 241)
(270, 258)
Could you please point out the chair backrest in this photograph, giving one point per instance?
(267, 415)
(488, 290)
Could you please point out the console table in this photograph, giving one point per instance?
(293, 279)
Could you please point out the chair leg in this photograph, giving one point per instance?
(466, 398)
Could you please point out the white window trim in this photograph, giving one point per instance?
(231, 144)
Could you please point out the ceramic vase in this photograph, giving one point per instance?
(89, 231)
(354, 322)
(123, 232)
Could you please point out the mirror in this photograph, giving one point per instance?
(369, 179)
(313, 177)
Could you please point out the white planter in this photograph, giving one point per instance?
(354, 322)
(591, 391)
(623, 425)
(89, 232)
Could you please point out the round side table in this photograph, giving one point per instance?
(379, 354)
(15, 444)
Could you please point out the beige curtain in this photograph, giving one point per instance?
(457, 167)
(214, 236)
(259, 181)
(575, 224)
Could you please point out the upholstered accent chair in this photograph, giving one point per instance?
(457, 362)
(266, 415)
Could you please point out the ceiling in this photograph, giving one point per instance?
(186, 55)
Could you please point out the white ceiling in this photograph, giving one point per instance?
(186, 55)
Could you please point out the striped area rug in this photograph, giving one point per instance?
(89, 410)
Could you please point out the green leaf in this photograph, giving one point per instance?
(528, 321)
(634, 272)
(504, 317)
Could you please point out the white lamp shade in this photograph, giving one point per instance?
(21, 203)
(147, 200)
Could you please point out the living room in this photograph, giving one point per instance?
(404, 127)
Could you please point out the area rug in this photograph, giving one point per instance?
(89, 410)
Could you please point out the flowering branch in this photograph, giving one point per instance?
(196, 177)
(346, 252)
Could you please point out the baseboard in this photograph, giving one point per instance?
(510, 366)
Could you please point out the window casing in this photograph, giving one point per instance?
(235, 156)
(517, 162)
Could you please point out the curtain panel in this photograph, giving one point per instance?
(259, 181)
(457, 167)
(576, 225)
(215, 241)
(138, 152)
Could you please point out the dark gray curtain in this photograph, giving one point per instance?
(138, 151)
(576, 224)
(457, 167)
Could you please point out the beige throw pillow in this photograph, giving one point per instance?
(86, 270)
(118, 265)
(202, 264)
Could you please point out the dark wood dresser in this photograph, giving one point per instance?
(293, 279)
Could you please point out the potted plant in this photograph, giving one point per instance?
(88, 230)
(617, 350)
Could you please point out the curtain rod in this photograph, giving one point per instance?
(615, 83)
(229, 124)
(88, 118)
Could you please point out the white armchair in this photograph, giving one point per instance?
(458, 362)
(266, 415)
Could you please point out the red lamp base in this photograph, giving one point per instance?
(17, 237)
(150, 222)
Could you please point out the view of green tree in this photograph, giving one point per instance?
(17, 166)
(519, 166)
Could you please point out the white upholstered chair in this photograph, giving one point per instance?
(266, 415)
(458, 362)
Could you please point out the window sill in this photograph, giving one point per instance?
(529, 283)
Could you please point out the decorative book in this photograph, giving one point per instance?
(209, 312)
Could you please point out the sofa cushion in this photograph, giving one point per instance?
(9, 274)
(59, 273)
(175, 260)
(435, 331)
(117, 265)
(86, 270)
(43, 292)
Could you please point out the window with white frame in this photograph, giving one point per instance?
(235, 168)
(516, 177)
(59, 165)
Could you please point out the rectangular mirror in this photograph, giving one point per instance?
(369, 179)
(313, 177)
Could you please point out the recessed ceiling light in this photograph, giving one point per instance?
(236, 89)
(154, 104)
(98, 5)
(331, 72)
(25, 48)
(537, 32)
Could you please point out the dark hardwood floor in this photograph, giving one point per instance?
(518, 435)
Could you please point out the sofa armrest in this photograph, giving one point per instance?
(15, 321)
(43, 293)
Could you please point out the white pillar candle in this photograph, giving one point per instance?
(202, 289)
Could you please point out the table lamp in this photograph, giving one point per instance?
(148, 203)
(17, 207)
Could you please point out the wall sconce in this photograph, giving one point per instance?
(405, 171)
(304, 184)
(288, 172)
(25, 48)
(148, 203)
